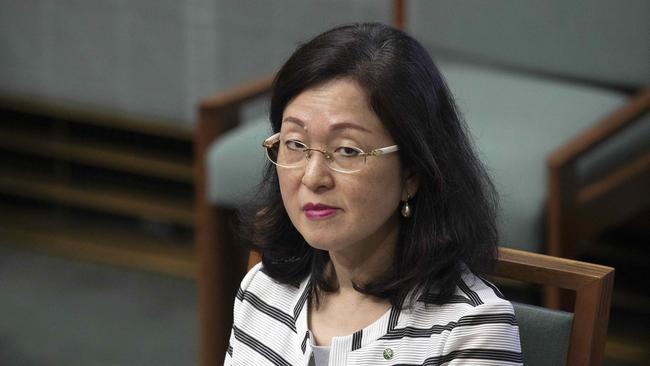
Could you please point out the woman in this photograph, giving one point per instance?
(374, 220)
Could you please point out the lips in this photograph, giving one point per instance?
(319, 211)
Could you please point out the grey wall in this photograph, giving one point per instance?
(602, 40)
(155, 58)
(158, 58)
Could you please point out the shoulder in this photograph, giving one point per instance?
(479, 302)
(258, 281)
(260, 292)
(471, 291)
(479, 291)
(475, 302)
(486, 328)
(477, 319)
(255, 274)
(477, 326)
(267, 321)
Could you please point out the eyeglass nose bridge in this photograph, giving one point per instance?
(326, 154)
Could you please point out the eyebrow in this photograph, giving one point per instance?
(334, 127)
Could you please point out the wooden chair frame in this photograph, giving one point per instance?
(580, 212)
(219, 272)
(576, 212)
(592, 284)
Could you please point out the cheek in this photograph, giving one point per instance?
(287, 179)
(289, 185)
(380, 193)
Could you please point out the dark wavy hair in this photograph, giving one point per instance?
(452, 227)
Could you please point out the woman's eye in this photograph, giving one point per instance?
(347, 151)
(295, 145)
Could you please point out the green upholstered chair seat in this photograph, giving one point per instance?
(516, 121)
(544, 334)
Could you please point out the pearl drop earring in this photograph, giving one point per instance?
(406, 208)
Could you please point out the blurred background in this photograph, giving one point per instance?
(98, 123)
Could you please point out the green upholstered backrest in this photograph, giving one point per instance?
(604, 41)
(235, 163)
(517, 121)
(544, 333)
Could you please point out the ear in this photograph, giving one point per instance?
(411, 184)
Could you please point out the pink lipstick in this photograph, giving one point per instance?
(318, 211)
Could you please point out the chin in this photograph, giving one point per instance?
(319, 244)
(327, 244)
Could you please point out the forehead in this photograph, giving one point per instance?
(338, 103)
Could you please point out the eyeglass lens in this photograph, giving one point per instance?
(293, 154)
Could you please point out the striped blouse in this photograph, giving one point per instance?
(477, 327)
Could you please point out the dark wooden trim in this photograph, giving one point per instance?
(253, 258)
(233, 98)
(212, 123)
(399, 14)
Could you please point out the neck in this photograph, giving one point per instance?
(364, 262)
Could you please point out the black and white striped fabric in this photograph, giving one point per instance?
(477, 327)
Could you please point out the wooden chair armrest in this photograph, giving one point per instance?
(592, 284)
(542, 269)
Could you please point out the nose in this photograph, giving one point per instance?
(317, 175)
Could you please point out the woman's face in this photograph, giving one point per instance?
(337, 211)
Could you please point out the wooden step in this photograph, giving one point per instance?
(631, 300)
(148, 205)
(131, 159)
(616, 253)
(628, 349)
(87, 237)
(620, 195)
(98, 117)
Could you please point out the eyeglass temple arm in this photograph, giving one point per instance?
(384, 150)
(271, 140)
